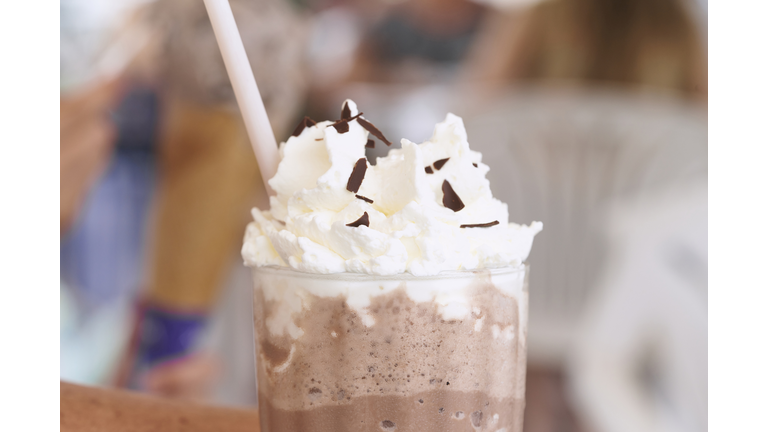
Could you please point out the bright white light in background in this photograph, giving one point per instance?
(86, 29)
(334, 37)
(95, 17)
(418, 112)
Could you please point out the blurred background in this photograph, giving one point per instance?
(592, 115)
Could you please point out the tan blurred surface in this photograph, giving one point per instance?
(87, 409)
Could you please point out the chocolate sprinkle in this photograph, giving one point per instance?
(482, 225)
(450, 199)
(428, 170)
(370, 144)
(474, 164)
(299, 127)
(439, 163)
(304, 123)
(341, 127)
(358, 173)
(368, 200)
(362, 221)
(346, 113)
(373, 130)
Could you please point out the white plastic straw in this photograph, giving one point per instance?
(246, 92)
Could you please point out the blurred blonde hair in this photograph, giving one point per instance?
(647, 43)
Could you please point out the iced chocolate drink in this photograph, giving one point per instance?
(434, 353)
(387, 297)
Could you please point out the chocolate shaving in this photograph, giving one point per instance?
(370, 144)
(474, 164)
(362, 221)
(358, 173)
(373, 130)
(342, 126)
(439, 163)
(368, 200)
(346, 113)
(318, 139)
(304, 123)
(450, 199)
(428, 170)
(482, 225)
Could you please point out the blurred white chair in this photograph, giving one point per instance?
(619, 274)
(640, 361)
(564, 157)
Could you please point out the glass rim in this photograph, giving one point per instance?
(347, 276)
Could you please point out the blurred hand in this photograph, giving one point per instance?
(87, 139)
(189, 379)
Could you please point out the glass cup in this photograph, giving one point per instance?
(351, 352)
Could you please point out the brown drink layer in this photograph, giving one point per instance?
(412, 370)
(440, 410)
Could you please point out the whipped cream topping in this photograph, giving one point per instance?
(414, 222)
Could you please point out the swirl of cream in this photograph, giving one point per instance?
(414, 222)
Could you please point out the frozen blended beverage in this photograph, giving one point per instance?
(387, 297)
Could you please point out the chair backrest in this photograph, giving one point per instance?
(564, 158)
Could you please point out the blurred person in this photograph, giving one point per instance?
(98, 164)
(210, 180)
(88, 139)
(207, 179)
(636, 43)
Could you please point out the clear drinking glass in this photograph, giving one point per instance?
(350, 352)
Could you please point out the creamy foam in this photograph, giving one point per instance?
(451, 292)
(409, 231)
